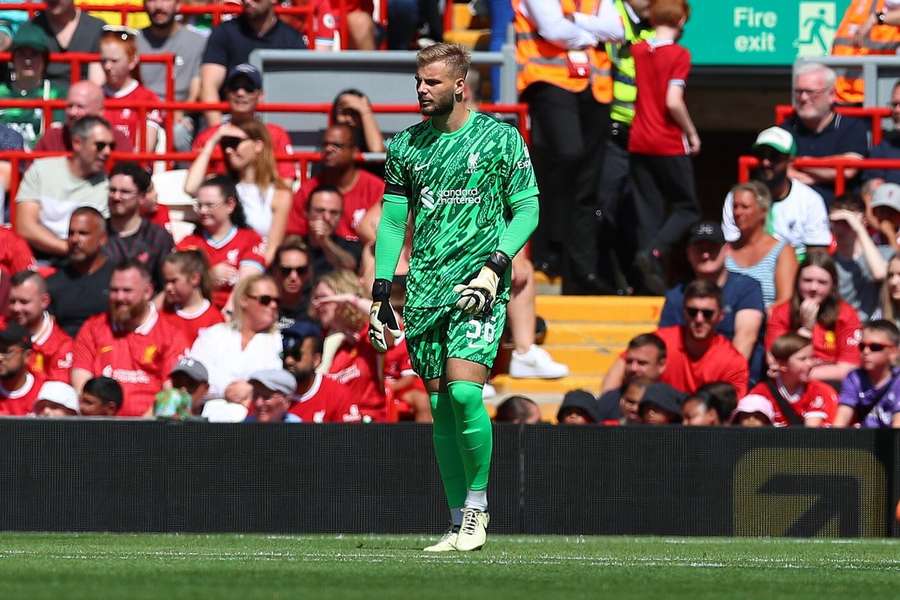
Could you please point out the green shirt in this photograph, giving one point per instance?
(460, 187)
(28, 121)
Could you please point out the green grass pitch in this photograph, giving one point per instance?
(244, 567)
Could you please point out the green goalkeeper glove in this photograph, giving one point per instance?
(382, 316)
(479, 294)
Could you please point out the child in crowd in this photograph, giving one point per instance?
(796, 398)
(660, 405)
(753, 411)
(101, 397)
(190, 384)
(56, 399)
(870, 396)
(233, 249)
(578, 408)
(186, 293)
(119, 59)
(661, 140)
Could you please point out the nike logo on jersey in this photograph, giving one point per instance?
(420, 167)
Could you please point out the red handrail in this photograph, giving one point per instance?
(520, 110)
(874, 113)
(745, 163)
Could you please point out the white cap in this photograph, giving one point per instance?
(754, 403)
(778, 139)
(60, 393)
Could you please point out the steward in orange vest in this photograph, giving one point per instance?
(881, 39)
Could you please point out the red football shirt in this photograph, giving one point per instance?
(238, 247)
(160, 216)
(281, 144)
(15, 255)
(16, 403)
(653, 131)
(51, 352)
(818, 400)
(139, 360)
(368, 190)
(720, 362)
(830, 346)
(356, 365)
(326, 401)
(127, 121)
(57, 139)
(190, 323)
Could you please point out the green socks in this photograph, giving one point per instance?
(446, 450)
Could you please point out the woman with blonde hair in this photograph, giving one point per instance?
(250, 162)
(889, 308)
(249, 342)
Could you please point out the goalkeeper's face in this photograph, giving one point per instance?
(437, 89)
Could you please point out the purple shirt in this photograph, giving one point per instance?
(859, 394)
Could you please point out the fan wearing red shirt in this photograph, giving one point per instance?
(232, 249)
(243, 91)
(360, 189)
(816, 312)
(118, 57)
(405, 384)
(319, 399)
(51, 347)
(812, 403)
(695, 353)
(340, 308)
(661, 139)
(15, 256)
(130, 343)
(18, 386)
(186, 293)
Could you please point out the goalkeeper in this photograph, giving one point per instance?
(467, 181)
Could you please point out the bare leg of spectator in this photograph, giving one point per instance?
(361, 30)
(528, 360)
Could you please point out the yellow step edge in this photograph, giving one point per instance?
(505, 384)
(594, 334)
(618, 309)
(462, 16)
(584, 360)
(473, 39)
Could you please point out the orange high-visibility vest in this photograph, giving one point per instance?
(540, 60)
(882, 39)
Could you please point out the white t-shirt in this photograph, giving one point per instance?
(800, 219)
(257, 207)
(50, 183)
(219, 349)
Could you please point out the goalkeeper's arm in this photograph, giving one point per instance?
(478, 295)
(388, 245)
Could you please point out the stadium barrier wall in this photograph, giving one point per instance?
(147, 476)
(746, 163)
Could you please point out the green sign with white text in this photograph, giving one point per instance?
(761, 32)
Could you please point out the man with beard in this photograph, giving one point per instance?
(18, 386)
(467, 180)
(231, 43)
(165, 35)
(130, 343)
(51, 347)
(80, 289)
(318, 398)
(798, 214)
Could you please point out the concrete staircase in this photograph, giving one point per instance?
(587, 333)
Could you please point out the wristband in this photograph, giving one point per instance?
(498, 262)
(381, 290)
(880, 17)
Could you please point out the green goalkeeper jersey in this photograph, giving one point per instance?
(459, 187)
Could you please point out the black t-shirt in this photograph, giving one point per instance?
(231, 43)
(75, 297)
(840, 136)
(320, 262)
(150, 244)
(888, 148)
(86, 38)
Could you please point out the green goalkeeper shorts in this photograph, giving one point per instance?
(435, 334)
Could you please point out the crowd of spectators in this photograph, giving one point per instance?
(789, 316)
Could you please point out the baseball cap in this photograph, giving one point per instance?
(30, 36)
(277, 380)
(299, 330)
(778, 139)
(15, 334)
(707, 231)
(192, 368)
(887, 194)
(60, 393)
(754, 403)
(663, 397)
(245, 70)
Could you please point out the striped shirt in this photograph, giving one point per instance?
(763, 271)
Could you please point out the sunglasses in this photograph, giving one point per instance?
(874, 347)
(707, 313)
(230, 142)
(301, 271)
(267, 300)
(242, 84)
(101, 146)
